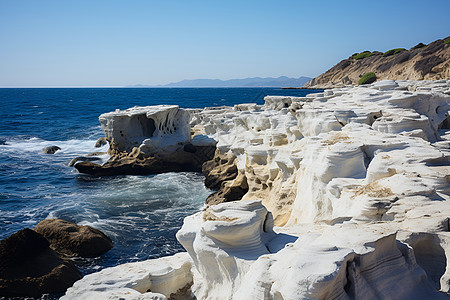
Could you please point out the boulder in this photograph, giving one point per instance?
(51, 149)
(101, 142)
(28, 267)
(73, 161)
(71, 239)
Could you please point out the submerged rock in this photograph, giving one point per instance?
(28, 267)
(74, 240)
(51, 149)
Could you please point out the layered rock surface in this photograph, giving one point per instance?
(148, 140)
(431, 62)
(356, 182)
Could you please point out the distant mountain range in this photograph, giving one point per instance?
(281, 81)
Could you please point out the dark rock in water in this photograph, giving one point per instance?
(82, 158)
(28, 267)
(74, 240)
(189, 148)
(132, 166)
(2, 142)
(137, 163)
(51, 149)
(101, 142)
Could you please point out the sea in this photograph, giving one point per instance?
(141, 214)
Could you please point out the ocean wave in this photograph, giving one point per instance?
(26, 144)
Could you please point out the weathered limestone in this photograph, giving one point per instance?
(356, 181)
(233, 253)
(308, 141)
(221, 173)
(155, 279)
(149, 140)
(151, 128)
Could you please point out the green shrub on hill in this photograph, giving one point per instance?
(418, 46)
(393, 51)
(365, 54)
(367, 78)
(362, 55)
(447, 41)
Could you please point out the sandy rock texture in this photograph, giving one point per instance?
(348, 198)
(428, 63)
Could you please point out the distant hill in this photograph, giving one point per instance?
(421, 62)
(281, 81)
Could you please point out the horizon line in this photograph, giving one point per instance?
(136, 87)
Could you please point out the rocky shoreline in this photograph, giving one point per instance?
(344, 194)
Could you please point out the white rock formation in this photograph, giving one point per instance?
(151, 279)
(151, 128)
(357, 181)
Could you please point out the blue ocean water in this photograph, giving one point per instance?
(141, 214)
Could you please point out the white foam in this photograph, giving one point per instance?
(36, 145)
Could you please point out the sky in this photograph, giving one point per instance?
(116, 42)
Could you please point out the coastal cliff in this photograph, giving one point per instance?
(345, 196)
(422, 62)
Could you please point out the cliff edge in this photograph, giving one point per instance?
(421, 62)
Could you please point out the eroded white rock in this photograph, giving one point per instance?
(151, 128)
(150, 279)
(357, 181)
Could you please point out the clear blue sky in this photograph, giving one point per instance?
(115, 43)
